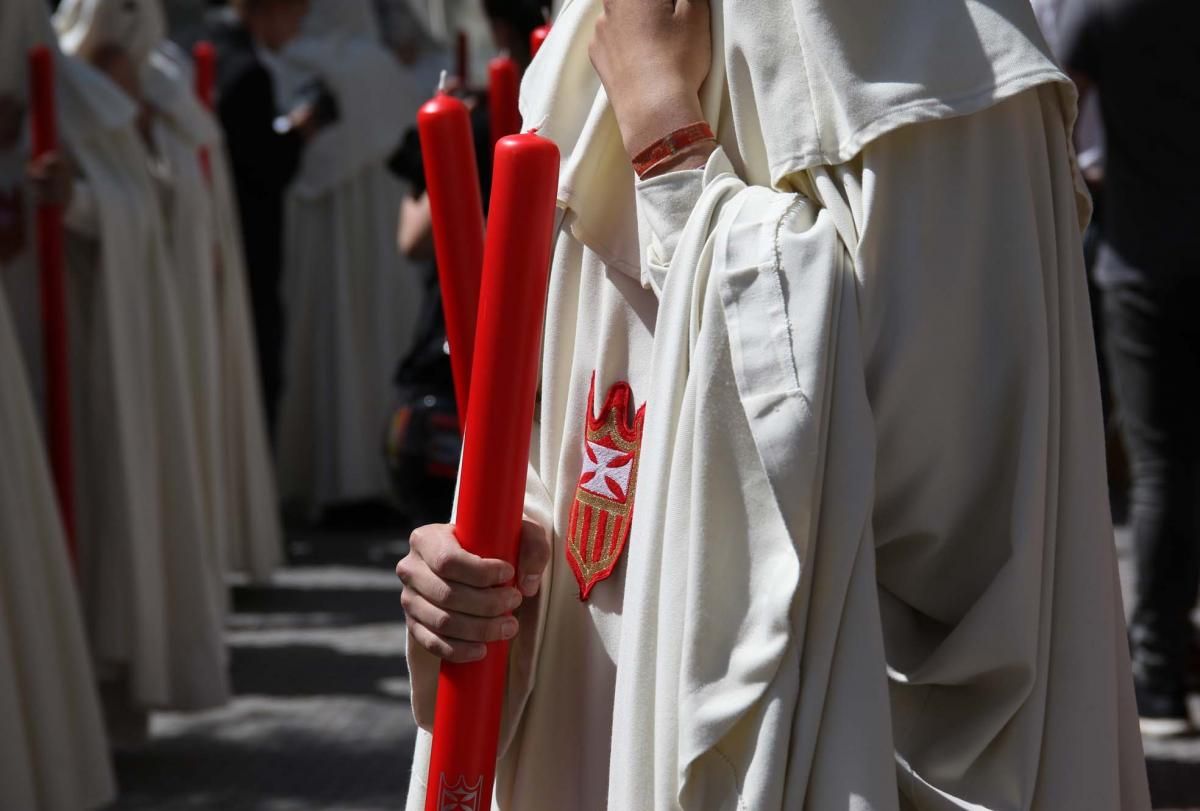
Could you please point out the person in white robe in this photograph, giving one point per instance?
(819, 449)
(206, 256)
(153, 613)
(351, 301)
(53, 756)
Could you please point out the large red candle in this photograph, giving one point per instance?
(496, 453)
(456, 205)
(504, 85)
(52, 281)
(204, 55)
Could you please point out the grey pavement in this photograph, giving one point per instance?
(321, 719)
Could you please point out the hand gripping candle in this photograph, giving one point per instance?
(52, 281)
(491, 494)
(504, 87)
(456, 205)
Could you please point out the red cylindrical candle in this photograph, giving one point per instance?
(52, 280)
(456, 205)
(204, 55)
(504, 86)
(462, 58)
(538, 38)
(491, 491)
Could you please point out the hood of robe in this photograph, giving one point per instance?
(794, 84)
(165, 72)
(136, 25)
(87, 101)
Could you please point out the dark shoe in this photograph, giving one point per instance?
(1161, 713)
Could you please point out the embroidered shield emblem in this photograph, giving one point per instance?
(459, 796)
(603, 509)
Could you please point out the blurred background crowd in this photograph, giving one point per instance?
(255, 337)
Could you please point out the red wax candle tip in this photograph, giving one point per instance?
(504, 87)
(538, 38)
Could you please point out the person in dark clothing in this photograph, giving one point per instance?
(263, 159)
(1141, 57)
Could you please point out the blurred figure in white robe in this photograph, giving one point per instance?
(53, 755)
(350, 300)
(207, 259)
(153, 612)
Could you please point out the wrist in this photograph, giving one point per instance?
(692, 157)
(657, 118)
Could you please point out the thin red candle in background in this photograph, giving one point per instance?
(462, 59)
(504, 87)
(456, 205)
(204, 55)
(52, 280)
(491, 490)
(538, 37)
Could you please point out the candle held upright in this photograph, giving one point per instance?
(204, 58)
(504, 87)
(52, 282)
(538, 37)
(456, 206)
(496, 450)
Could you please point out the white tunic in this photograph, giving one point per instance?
(871, 563)
(153, 615)
(207, 257)
(53, 755)
(351, 301)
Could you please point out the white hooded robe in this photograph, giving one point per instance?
(350, 299)
(153, 616)
(53, 756)
(206, 256)
(871, 563)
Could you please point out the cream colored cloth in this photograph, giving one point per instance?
(152, 613)
(209, 270)
(351, 301)
(53, 755)
(207, 254)
(871, 565)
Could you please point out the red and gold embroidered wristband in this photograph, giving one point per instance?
(664, 149)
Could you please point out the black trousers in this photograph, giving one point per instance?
(1153, 347)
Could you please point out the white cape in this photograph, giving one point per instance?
(207, 255)
(351, 301)
(871, 565)
(153, 613)
(53, 755)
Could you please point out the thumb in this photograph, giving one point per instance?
(534, 555)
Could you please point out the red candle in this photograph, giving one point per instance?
(491, 491)
(504, 85)
(462, 58)
(204, 55)
(52, 280)
(456, 205)
(538, 38)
